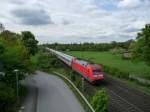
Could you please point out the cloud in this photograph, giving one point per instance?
(66, 22)
(129, 30)
(69, 21)
(32, 16)
(18, 2)
(129, 3)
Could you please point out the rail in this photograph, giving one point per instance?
(82, 96)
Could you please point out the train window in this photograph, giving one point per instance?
(96, 72)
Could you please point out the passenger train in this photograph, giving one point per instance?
(91, 72)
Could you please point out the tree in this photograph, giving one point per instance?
(13, 55)
(100, 101)
(1, 48)
(30, 42)
(141, 48)
(2, 28)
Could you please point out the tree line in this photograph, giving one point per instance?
(89, 46)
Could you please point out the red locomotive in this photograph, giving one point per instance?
(91, 72)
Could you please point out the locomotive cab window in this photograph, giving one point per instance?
(96, 72)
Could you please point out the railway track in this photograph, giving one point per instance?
(124, 98)
(120, 104)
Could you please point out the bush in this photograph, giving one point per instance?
(44, 61)
(72, 76)
(7, 97)
(100, 101)
(78, 83)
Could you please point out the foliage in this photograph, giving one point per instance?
(44, 61)
(116, 72)
(8, 93)
(141, 48)
(30, 42)
(100, 101)
(13, 55)
(72, 76)
(78, 83)
(1, 48)
(7, 98)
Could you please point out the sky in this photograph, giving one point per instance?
(76, 21)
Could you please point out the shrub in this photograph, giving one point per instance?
(7, 97)
(78, 83)
(44, 61)
(72, 76)
(100, 101)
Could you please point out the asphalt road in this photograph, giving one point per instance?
(48, 93)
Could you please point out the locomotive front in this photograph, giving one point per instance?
(96, 72)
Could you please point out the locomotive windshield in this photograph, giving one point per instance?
(96, 72)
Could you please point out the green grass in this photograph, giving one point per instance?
(115, 61)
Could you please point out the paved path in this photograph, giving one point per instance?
(48, 93)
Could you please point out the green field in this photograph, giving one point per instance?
(114, 61)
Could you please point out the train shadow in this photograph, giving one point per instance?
(100, 83)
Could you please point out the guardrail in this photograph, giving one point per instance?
(139, 79)
(81, 95)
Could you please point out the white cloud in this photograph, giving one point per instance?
(129, 3)
(77, 20)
